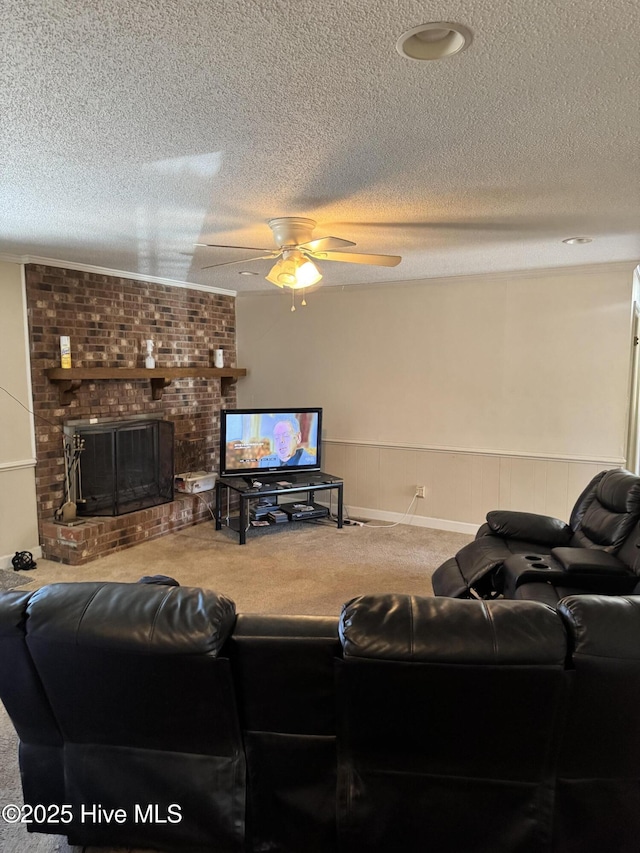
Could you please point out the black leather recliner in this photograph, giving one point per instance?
(284, 674)
(446, 708)
(517, 545)
(597, 801)
(41, 744)
(128, 704)
(450, 725)
(149, 695)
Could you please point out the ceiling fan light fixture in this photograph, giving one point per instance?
(435, 40)
(294, 270)
(308, 274)
(577, 241)
(274, 274)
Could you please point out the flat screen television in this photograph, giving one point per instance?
(256, 441)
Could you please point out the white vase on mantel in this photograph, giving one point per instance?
(149, 361)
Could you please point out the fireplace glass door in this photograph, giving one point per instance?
(125, 466)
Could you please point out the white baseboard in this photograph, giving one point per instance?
(5, 560)
(361, 512)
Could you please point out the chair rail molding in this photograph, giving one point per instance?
(479, 451)
(18, 464)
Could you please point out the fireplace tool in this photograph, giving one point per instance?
(72, 449)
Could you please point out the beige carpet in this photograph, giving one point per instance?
(299, 568)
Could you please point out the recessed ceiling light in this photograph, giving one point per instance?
(577, 241)
(434, 41)
(248, 272)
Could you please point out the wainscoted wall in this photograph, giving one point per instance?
(506, 390)
(18, 520)
(460, 487)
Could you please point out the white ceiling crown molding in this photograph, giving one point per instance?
(73, 265)
(11, 259)
(613, 267)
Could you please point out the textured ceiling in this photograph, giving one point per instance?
(131, 130)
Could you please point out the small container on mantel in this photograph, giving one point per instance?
(218, 360)
(65, 351)
(149, 361)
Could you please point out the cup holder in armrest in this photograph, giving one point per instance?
(536, 561)
(529, 565)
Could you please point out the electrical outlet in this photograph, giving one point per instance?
(421, 491)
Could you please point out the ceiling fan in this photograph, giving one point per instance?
(296, 252)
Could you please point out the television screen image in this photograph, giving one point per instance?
(254, 440)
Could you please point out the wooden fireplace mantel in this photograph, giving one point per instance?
(69, 379)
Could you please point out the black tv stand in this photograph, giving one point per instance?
(273, 486)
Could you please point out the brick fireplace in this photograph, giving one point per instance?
(107, 319)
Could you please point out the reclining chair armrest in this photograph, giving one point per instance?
(587, 560)
(606, 575)
(577, 584)
(530, 527)
(523, 568)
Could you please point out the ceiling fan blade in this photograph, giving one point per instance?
(243, 261)
(322, 244)
(456, 225)
(358, 258)
(222, 246)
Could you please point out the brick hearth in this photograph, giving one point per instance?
(99, 536)
(107, 319)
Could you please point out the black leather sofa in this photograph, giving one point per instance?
(597, 551)
(405, 724)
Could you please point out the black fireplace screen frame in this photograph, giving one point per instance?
(125, 466)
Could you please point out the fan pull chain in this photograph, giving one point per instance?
(293, 300)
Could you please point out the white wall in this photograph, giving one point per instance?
(18, 518)
(504, 390)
